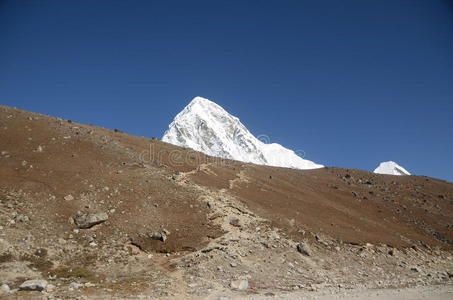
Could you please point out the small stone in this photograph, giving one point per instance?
(233, 265)
(235, 222)
(69, 197)
(159, 236)
(241, 285)
(50, 288)
(33, 285)
(156, 236)
(303, 249)
(4, 288)
(23, 218)
(75, 286)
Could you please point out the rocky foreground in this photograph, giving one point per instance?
(92, 213)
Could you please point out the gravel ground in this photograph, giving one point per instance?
(417, 293)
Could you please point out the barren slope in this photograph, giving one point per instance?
(213, 211)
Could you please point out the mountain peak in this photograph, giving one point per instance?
(391, 168)
(202, 106)
(206, 127)
(199, 99)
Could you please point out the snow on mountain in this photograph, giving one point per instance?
(391, 168)
(206, 127)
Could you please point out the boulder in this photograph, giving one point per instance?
(33, 285)
(88, 220)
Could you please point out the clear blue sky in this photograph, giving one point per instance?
(352, 83)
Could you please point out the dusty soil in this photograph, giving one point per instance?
(223, 221)
(415, 293)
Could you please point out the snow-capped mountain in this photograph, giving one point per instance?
(206, 127)
(391, 168)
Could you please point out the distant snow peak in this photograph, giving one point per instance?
(391, 168)
(206, 127)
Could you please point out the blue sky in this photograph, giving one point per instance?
(352, 83)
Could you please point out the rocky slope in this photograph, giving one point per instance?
(96, 213)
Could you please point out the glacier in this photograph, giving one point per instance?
(206, 127)
(391, 168)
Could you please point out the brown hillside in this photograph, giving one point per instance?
(52, 168)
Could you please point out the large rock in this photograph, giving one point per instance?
(88, 220)
(33, 285)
